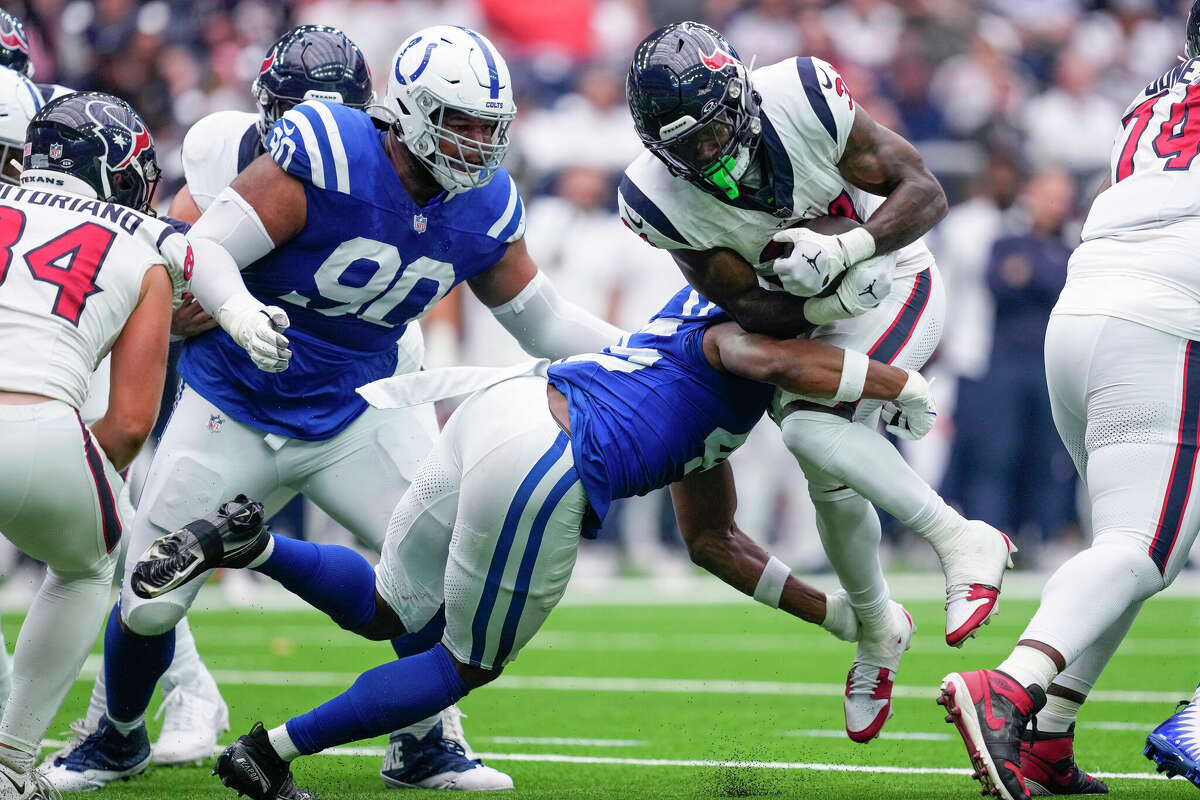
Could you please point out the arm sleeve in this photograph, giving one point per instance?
(215, 278)
(547, 326)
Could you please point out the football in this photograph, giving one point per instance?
(828, 226)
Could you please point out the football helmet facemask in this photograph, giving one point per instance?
(14, 45)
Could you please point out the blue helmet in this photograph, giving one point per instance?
(693, 105)
(98, 140)
(311, 62)
(14, 45)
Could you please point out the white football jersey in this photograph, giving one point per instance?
(215, 150)
(71, 271)
(1140, 255)
(807, 112)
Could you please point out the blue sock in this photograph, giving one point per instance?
(329, 577)
(132, 666)
(412, 643)
(382, 700)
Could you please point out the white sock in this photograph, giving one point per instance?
(282, 743)
(1058, 715)
(186, 666)
(262, 557)
(126, 728)
(850, 533)
(5, 673)
(1029, 667)
(98, 704)
(1090, 593)
(55, 639)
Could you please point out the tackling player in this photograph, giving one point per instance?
(83, 271)
(308, 62)
(490, 526)
(736, 161)
(1123, 371)
(357, 232)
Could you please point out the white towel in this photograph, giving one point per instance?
(415, 388)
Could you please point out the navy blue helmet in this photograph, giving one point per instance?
(98, 139)
(14, 45)
(311, 62)
(1193, 31)
(693, 105)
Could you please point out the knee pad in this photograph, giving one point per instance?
(1126, 549)
(813, 438)
(149, 617)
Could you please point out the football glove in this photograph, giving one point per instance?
(912, 414)
(816, 259)
(257, 329)
(863, 287)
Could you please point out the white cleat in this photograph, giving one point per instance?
(195, 717)
(974, 564)
(32, 785)
(868, 701)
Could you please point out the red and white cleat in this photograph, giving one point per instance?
(974, 565)
(868, 701)
(991, 710)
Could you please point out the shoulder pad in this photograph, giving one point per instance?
(825, 115)
(646, 219)
(310, 141)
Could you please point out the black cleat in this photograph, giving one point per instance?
(233, 536)
(991, 711)
(251, 767)
(1048, 765)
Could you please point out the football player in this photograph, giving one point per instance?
(1122, 368)
(736, 160)
(308, 62)
(356, 230)
(84, 271)
(489, 528)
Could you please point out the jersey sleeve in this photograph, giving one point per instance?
(175, 253)
(647, 219)
(828, 107)
(310, 141)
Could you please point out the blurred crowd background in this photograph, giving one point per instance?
(1014, 105)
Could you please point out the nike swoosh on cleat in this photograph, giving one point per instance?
(993, 722)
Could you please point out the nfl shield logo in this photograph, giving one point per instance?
(56, 151)
(419, 222)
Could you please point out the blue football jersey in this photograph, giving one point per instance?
(368, 262)
(651, 409)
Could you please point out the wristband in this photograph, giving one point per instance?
(854, 375)
(770, 584)
(857, 244)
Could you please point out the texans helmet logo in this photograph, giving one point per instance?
(141, 141)
(13, 39)
(717, 60)
(267, 62)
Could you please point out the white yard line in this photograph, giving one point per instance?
(559, 740)
(579, 683)
(834, 733)
(562, 758)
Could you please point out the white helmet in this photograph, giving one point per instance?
(450, 68)
(19, 101)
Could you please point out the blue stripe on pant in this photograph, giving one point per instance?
(504, 543)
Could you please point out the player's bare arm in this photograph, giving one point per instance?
(802, 366)
(884, 163)
(183, 207)
(728, 280)
(526, 303)
(704, 505)
(139, 366)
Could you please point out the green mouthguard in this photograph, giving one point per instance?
(720, 174)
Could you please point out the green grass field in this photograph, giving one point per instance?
(621, 701)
